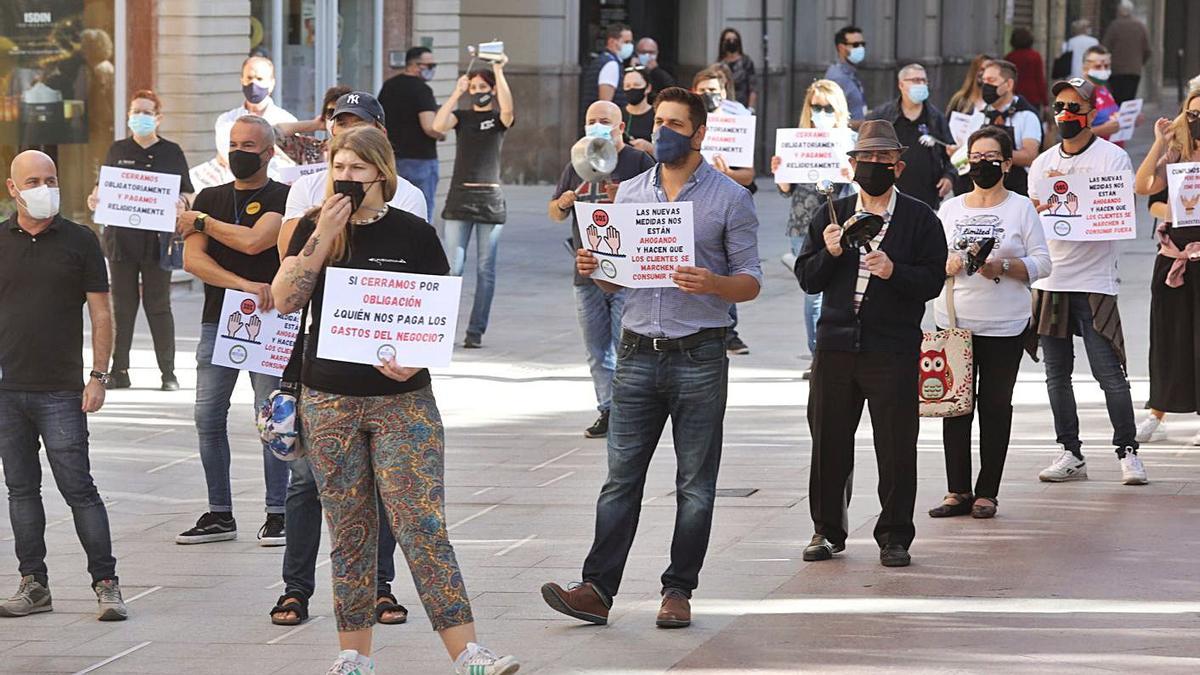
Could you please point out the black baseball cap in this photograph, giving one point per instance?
(360, 104)
(1081, 86)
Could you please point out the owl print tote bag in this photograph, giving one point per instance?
(946, 382)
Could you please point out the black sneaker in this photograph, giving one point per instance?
(272, 532)
(118, 379)
(473, 341)
(211, 527)
(600, 428)
(170, 383)
(734, 345)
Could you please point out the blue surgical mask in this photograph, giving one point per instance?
(598, 130)
(644, 58)
(428, 73)
(857, 54)
(918, 93)
(626, 51)
(670, 146)
(824, 120)
(142, 124)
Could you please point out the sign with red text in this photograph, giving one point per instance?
(638, 245)
(731, 137)
(250, 339)
(1183, 193)
(807, 156)
(143, 200)
(368, 317)
(1088, 207)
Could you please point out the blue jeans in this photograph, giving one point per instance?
(487, 240)
(303, 535)
(1106, 368)
(649, 387)
(57, 419)
(600, 319)
(812, 303)
(423, 173)
(214, 387)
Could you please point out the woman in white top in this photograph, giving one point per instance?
(993, 303)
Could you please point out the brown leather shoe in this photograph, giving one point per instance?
(676, 610)
(582, 602)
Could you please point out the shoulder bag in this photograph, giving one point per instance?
(946, 378)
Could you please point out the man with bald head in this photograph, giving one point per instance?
(258, 82)
(49, 267)
(647, 57)
(599, 311)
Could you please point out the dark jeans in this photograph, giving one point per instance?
(55, 418)
(997, 361)
(1106, 368)
(649, 387)
(423, 173)
(841, 383)
(155, 295)
(1123, 87)
(303, 534)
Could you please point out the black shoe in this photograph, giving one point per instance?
(734, 345)
(170, 383)
(118, 379)
(961, 507)
(600, 428)
(472, 341)
(272, 532)
(211, 527)
(820, 548)
(807, 374)
(894, 555)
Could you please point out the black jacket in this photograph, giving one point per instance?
(889, 319)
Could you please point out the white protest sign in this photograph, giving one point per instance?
(368, 316)
(638, 245)
(963, 125)
(251, 339)
(143, 200)
(1088, 207)
(1127, 118)
(1183, 193)
(291, 174)
(731, 137)
(811, 155)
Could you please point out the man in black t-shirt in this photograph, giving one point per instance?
(229, 243)
(599, 311)
(409, 107)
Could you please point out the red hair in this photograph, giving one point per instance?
(149, 95)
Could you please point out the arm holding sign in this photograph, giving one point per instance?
(297, 277)
(586, 265)
(197, 262)
(249, 240)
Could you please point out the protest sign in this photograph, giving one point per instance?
(251, 339)
(963, 125)
(369, 316)
(811, 155)
(1127, 118)
(1088, 207)
(638, 245)
(731, 137)
(142, 200)
(291, 174)
(1183, 192)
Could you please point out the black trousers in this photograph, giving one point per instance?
(1124, 87)
(997, 360)
(155, 294)
(841, 383)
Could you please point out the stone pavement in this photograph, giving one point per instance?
(1085, 576)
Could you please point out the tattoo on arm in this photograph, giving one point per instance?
(311, 245)
(303, 283)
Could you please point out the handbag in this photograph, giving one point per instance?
(946, 379)
(278, 418)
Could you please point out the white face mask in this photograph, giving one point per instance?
(824, 120)
(1100, 75)
(41, 202)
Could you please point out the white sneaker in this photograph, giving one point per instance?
(1132, 470)
(477, 660)
(1152, 430)
(350, 662)
(1066, 468)
(789, 261)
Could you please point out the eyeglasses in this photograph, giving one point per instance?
(1072, 107)
(635, 69)
(1193, 115)
(915, 80)
(860, 43)
(985, 157)
(823, 109)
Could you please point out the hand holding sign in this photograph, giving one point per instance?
(391, 370)
(695, 280)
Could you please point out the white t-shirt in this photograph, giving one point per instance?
(1077, 46)
(983, 306)
(308, 192)
(272, 113)
(610, 74)
(1080, 266)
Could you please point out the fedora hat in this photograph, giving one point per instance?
(875, 135)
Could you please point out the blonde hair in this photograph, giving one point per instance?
(832, 93)
(1181, 135)
(372, 146)
(963, 100)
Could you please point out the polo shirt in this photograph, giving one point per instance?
(126, 244)
(44, 282)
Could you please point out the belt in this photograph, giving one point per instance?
(672, 344)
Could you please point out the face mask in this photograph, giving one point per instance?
(733, 46)
(598, 130)
(428, 73)
(635, 96)
(1194, 129)
(918, 93)
(255, 93)
(986, 174)
(244, 164)
(1070, 125)
(142, 124)
(41, 202)
(990, 94)
(875, 178)
(644, 58)
(670, 146)
(625, 51)
(824, 120)
(712, 101)
(1099, 75)
(857, 54)
(354, 189)
(481, 99)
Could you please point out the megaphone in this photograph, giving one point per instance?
(594, 158)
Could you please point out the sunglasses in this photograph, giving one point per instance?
(860, 43)
(823, 109)
(1193, 115)
(1072, 107)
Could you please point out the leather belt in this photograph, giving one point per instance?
(672, 344)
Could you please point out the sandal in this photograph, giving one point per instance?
(390, 606)
(960, 507)
(984, 510)
(290, 603)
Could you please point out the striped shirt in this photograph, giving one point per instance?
(864, 274)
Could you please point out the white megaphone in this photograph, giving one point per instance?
(594, 158)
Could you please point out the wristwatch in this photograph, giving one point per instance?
(198, 223)
(1005, 265)
(102, 378)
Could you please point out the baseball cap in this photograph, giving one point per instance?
(1083, 87)
(362, 105)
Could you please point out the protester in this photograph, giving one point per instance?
(1031, 71)
(409, 107)
(992, 303)
(475, 201)
(729, 53)
(258, 82)
(1097, 66)
(137, 258)
(229, 240)
(928, 174)
(969, 97)
(851, 50)
(1081, 40)
(638, 113)
(1173, 300)
(647, 57)
(599, 310)
(600, 80)
(1017, 116)
(43, 399)
(296, 139)
(1079, 297)
(670, 364)
(375, 430)
(868, 343)
(1129, 41)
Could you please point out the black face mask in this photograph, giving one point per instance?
(244, 164)
(990, 94)
(1194, 129)
(985, 174)
(635, 96)
(733, 46)
(875, 178)
(356, 190)
(481, 99)
(1071, 128)
(712, 101)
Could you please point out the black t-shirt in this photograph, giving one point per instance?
(239, 207)
(921, 171)
(403, 98)
(640, 126)
(398, 242)
(44, 281)
(126, 244)
(477, 160)
(630, 162)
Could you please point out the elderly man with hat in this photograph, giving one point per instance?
(876, 274)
